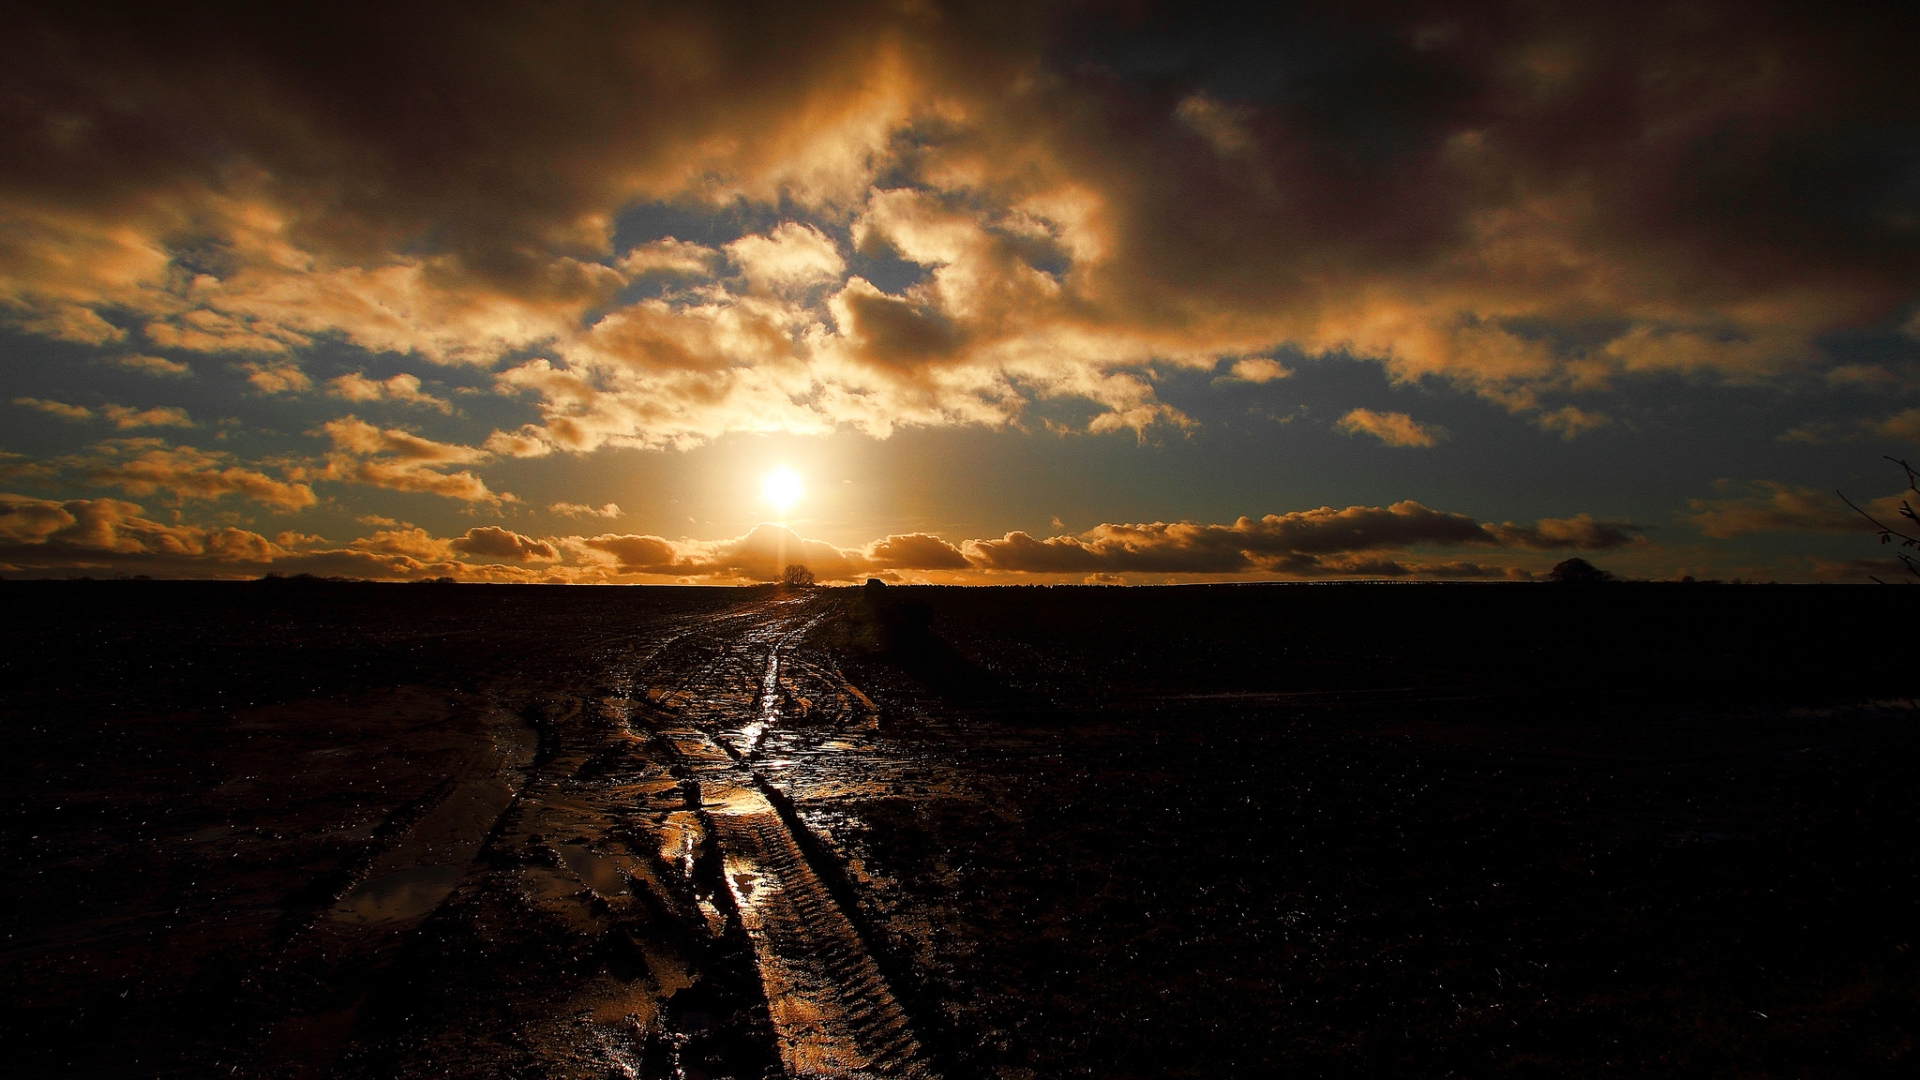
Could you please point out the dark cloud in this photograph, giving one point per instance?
(1358, 541)
(915, 551)
(1306, 543)
(1530, 202)
(639, 554)
(1768, 506)
(494, 542)
(1579, 532)
(94, 532)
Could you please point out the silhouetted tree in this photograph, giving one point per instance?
(796, 576)
(1888, 534)
(1579, 572)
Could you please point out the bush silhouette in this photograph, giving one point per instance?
(796, 576)
(1579, 572)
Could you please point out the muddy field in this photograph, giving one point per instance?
(310, 829)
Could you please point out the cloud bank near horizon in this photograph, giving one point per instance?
(1355, 542)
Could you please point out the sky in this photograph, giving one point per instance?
(1019, 293)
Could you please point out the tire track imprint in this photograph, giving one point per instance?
(829, 1004)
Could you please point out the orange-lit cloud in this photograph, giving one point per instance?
(401, 461)
(1526, 236)
(1303, 543)
(148, 466)
(607, 510)
(1773, 507)
(495, 542)
(1392, 428)
(84, 529)
(125, 417)
(153, 365)
(55, 408)
(1354, 542)
(121, 416)
(402, 388)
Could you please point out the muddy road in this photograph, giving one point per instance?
(335, 830)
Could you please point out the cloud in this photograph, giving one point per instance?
(35, 530)
(414, 543)
(791, 256)
(493, 541)
(1900, 427)
(1393, 428)
(149, 466)
(668, 257)
(1357, 542)
(1215, 123)
(1528, 208)
(633, 554)
(1259, 369)
(1570, 422)
(125, 417)
(1774, 507)
(760, 555)
(122, 416)
(402, 461)
(153, 365)
(56, 408)
(402, 388)
(609, 510)
(914, 551)
(356, 436)
(1903, 426)
(1307, 543)
(279, 377)
(1580, 532)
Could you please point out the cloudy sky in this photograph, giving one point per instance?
(1020, 293)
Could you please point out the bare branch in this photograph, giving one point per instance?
(1887, 534)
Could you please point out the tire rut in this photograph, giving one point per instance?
(830, 1005)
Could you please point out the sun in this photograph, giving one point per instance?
(781, 487)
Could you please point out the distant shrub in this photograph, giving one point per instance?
(796, 576)
(1579, 572)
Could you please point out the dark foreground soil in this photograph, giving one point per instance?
(313, 829)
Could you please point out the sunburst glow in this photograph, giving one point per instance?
(781, 488)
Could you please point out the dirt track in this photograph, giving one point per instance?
(571, 833)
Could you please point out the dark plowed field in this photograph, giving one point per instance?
(339, 830)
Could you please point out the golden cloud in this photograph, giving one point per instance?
(1370, 542)
(148, 466)
(402, 388)
(1525, 238)
(399, 460)
(35, 530)
(56, 408)
(491, 540)
(153, 365)
(1392, 428)
(125, 417)
(608, 510)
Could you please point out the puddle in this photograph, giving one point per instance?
(603, 874)
(406, 894)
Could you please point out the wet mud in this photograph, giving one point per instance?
(336, 830)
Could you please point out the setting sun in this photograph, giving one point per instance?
(781, 488)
